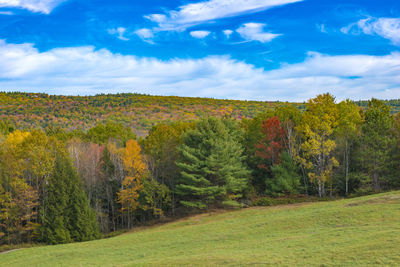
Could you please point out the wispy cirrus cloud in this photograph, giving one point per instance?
(119, 33)
(255, 32)
(388, 28)
(7, 13)
(38, 6)
(197, 13)
(84, 70)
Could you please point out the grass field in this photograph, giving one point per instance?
(356, 232)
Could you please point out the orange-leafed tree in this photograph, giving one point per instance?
(136, 172)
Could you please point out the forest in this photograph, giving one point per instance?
(137, 111)
(60, 183)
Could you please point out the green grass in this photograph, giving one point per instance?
(356, 232)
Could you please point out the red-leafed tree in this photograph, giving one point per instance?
(269, 148)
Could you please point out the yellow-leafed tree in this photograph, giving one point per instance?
(318, 125)
(132, 185)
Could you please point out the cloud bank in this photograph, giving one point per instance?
(196, 13)
(84, 70)
(37, 6)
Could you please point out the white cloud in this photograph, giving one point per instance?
(388, 28)
(228, 33)
(84, 70)
(200, 34)
(255, 32)
(39, 6)
(196, 13)
(119, 32)
(146, 35)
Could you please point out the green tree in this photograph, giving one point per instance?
(53, 216)
(6, 127)
(102, 133)
(377, 142)
(161, 149)
(285, 177)
(348, 130)
(212, 164)
(66, 215)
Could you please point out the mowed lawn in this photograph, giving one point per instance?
(356, 232)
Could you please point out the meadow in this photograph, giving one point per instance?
(361, 231)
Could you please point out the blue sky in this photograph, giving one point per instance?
(288, 50)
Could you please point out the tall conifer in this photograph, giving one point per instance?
(211, 164)
(66, 215)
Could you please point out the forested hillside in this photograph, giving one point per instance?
(137, 111)
(140, 112)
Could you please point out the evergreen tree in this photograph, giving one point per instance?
(211, 164)
(66, 215)
(82, 222)
(377, 142)
(285, 177)
(54, 221)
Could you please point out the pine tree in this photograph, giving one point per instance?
(285, 177)
(211, 164)
(377, 143)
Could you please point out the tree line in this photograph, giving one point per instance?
(60, 186)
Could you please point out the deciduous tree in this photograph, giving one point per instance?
(318, 125)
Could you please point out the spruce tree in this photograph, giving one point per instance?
(66, 215)
(211, 164)
(82, 219)
(54, 222)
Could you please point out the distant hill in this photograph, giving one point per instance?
(138, 111)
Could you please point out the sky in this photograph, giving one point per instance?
(286, 50)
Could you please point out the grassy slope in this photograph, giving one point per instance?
(356, 232)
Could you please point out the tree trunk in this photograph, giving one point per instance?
(319, 188)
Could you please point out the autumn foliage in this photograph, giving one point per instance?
(136, 171)
(270, 146)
